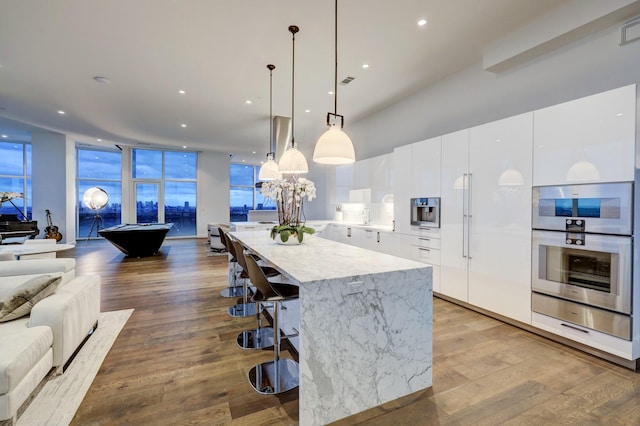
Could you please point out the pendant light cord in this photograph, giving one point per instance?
(294, 29)
(335, 78)
(271, 147)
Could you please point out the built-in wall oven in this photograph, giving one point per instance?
(582, 255)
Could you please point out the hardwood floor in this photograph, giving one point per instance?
(176, 361)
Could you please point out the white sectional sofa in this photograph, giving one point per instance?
(47, 338)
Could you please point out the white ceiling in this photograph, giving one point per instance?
(217, 51)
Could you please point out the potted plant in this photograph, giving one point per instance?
(289, 194)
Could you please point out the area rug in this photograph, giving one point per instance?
(58, 400)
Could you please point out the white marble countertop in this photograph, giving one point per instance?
(321, 259)
(373, 227)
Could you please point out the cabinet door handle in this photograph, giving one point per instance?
(378, 237)
(423, 249)
(348, 232)
(470, 195)
(574, 328)
(424, 239)
(464, 213)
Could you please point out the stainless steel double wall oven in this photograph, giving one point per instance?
(583, 255)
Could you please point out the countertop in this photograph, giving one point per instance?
(373, 227)
(321, 259)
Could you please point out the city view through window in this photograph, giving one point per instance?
(243, 194)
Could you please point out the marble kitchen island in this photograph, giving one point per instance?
(365, 323)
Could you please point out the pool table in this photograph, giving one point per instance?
(137, 239)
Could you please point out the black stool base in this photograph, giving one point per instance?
(256, 339)
(232, 292)
(242, 310)
(271, 378)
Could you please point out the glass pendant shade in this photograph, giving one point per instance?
(293, 162)
(334, 147)
(269, 170)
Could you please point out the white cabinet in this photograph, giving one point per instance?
(500, 216)
(402, 189)
(486, 216)
(453, 225)
(425, 248)
(591, 139)
(425, 168)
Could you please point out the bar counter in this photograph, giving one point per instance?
(365, 324)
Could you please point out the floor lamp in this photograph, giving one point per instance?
(96, 199)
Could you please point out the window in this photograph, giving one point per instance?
(102, 169)
(243, 194)
(15, 176)
(165, 188)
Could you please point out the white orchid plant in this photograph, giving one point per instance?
(289, 194)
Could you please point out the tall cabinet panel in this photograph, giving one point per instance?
(499, 211)
(402, 188)
(453, 249)
(591, 139)
(425, 168)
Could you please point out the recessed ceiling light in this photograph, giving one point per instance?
(331, 92)
(619, 114)
(61, 112)
(183, 125)
(254, 152)
(365, 66)
(243, 161)
(307, 110)
(184, 147)
(182, 92)
(101, 79)
(5, 136)
(248, 101)
(99, 140)
(262, 162)
(422, 22)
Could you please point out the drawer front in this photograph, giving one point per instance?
(425, 255)
(425, 231)
(428, 242)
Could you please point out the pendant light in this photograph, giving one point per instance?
(334, 146)
(269, 170)
(292, 161)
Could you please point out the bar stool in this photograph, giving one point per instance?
(234, 290)
(281, 374)
(245, 308)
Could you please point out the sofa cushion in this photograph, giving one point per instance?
(21, 348)
(18, 302)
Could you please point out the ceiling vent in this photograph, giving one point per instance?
(630, 32)
(347, 81)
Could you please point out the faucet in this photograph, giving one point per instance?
(366, 216)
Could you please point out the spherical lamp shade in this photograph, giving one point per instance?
(293, 162)
(334, 147)
(95, 198)
(269, 171)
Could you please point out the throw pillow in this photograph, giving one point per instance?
(26, 295)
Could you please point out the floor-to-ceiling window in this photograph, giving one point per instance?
(164, 188)
(15, 176)
(243, 193)
(101, 169)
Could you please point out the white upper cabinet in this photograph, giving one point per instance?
(345, 181)
(591, 139)
(499, 185)
(401, 170)
(425, 168)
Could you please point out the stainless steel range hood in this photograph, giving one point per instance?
(281, 134)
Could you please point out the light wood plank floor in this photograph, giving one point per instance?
(176, 361)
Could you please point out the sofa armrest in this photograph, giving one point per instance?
(67, 266)
(71, 312)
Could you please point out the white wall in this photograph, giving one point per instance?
(474, 96)
(213, 190)
(53, 182)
